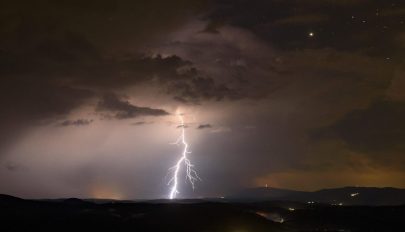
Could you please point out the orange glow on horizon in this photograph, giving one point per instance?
(105, 192)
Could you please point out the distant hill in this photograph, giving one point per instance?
(202, 215)
(8, 198)
(77, 215)
(268, 193)
(371, 196)
(342, 196)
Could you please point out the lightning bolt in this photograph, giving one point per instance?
(191, 174)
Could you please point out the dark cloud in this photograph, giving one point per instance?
(204, 126)
(139, 123)
(26, 103)
(123, 109)
(182, 126)
(69, 72)
(52, 62)
(213, 26)
(78, 122)
(378, 128)
(11, 167)
(201, 88)
(40, 100)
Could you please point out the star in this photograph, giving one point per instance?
(311, 34)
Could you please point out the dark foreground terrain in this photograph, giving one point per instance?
(213, 215)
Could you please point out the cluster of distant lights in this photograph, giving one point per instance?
(313, 202)
(336, 204)
(279, 219)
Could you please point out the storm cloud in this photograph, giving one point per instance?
(285, 93)
(377, 128)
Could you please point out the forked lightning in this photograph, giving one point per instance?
(191, 174)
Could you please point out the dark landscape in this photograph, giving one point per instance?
(263, 213)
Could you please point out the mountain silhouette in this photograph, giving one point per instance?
(342, 196)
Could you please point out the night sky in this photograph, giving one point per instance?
(298, 94)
